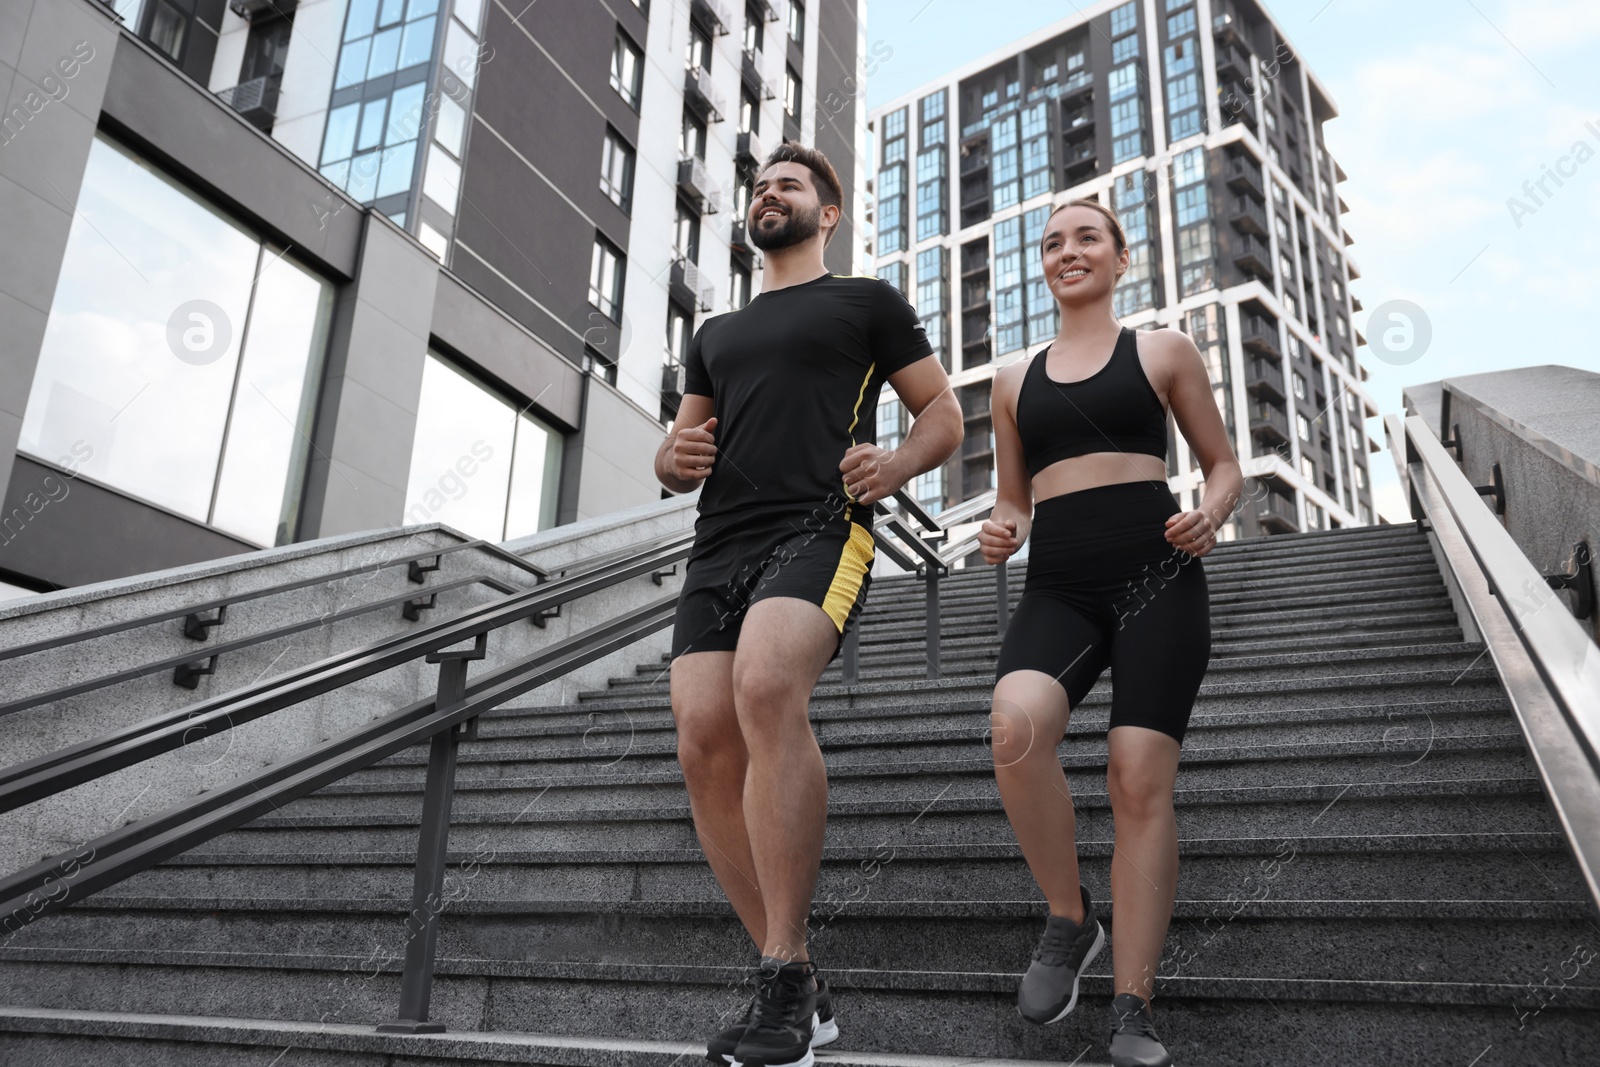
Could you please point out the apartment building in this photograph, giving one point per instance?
(1197, 122)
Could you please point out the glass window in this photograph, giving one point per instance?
(698, 56)
(894, 125)
(894, 272)
(385, 51)
(797, 22)
(476, 464)
(470, 12)
(461, 54)
(1125, 48)
(442, 180)
(1125, 19)
(616, 169)
(450, 128)
(416, 45)
(605, 279)
(626, 70)
(152, 327)
(738, 286)
(791, 92)
(338, 141)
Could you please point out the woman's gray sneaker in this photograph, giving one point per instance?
(1050, 988)
(1132, 1036)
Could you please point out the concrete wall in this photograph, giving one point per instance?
(1538, 424)
(45, 133)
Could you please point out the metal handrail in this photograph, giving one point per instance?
(58, 881)
(23, 783)
(1548, 664)
(107, 629)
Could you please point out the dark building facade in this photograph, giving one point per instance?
(276, 271)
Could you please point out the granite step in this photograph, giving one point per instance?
(1467, 867)
(1309, 1021)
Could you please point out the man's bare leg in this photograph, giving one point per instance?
(783, 647)
(712, 752)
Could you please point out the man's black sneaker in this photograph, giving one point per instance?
(785, 1017)
(1131, 1037)
(1050, 988)
(720, 1048)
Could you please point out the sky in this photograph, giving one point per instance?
(1446, 108)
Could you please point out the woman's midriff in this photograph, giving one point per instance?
(1097, 468)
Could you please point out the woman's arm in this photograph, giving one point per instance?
(1011, 520)
(1194, 409)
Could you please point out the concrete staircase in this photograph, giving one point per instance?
(1371, 874)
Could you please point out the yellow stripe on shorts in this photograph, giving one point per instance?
(854, 563)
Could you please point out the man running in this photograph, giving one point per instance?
(778, 421)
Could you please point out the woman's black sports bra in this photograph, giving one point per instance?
(1115, 409)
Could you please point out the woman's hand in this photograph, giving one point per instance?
(1192, 531)
(998, 540)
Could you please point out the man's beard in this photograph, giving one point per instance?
(791, 230)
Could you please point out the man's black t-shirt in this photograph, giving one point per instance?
(794, 376)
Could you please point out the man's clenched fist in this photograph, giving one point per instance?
(693, 451)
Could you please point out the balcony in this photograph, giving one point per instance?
(975, 296)
(255, 100)
(1243, 175)
(1252, 256)
(672, 380)
(739, 241)
(1078, 123)
(1078, 160)
(249, 9)
(1259, 333)
(694, 185)
(750, 72)
(1276, 512)
(701, 96)
(748, 149)
(1076, 84)
(1263, 377)
(765, 9)
(1248, 216)
(1226, 24)
(689, 287)
(1269, 423)
(1232, 61)
(710, 15)
(1237, 104)
(974, 159)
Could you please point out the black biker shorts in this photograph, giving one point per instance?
(1105, 588)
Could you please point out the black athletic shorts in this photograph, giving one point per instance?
(821, 557)
(1106, 588)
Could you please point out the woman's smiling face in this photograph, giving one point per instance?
(1081, 259)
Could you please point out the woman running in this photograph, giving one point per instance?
(1114, 579)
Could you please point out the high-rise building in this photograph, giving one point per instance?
(280, 270)
(1197, 123)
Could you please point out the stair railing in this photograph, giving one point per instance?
(1549, 666)
(443, 720)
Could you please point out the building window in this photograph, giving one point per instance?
(699, 54)
(692, 137)
(931, 214)
(754, 30)
(1303, 424)
(605, 279)
(797, 22)
(186, 364)
(678, 327)
(894, 272)
(1299, 385)
(929, 490)
(377, 43)
(738, 286)
(627, 68)
(891, 209)
(932, 300)
(791, 92)
(616, 170)
(749, 113)
(891, 426)
(686, 233)
(480, 462)
(369, 148)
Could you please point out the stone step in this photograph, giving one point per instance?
(1439, 867)
(120, 1039)
(1203, 1019)
(1416, 805)
(1374, 760)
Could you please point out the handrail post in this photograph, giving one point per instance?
(422, 922)
(852, 655)
(931, 576)
(1002, 599)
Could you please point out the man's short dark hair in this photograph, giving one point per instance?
(823, 176)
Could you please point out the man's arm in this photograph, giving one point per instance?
(687, 446)
(873, 473)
